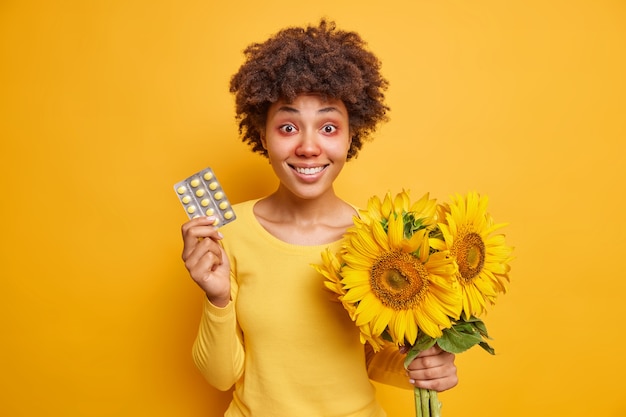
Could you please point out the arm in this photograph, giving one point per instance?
(218, 349)
(387, 366)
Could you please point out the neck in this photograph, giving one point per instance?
(289, 206)
(301, 221)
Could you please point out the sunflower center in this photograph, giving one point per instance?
(470, 255)
(395, 280)
(399, 280)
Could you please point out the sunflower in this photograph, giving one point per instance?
(330, 268)
(419, 214)
(467, 231)
(391, 278)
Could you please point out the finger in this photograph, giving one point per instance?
(203, 267)
(431, 359)
(204, 255)
(437, 384)
(197, 229)
(198, 225)
(435, 370)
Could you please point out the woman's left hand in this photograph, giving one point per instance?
(433, 369)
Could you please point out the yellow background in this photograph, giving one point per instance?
(104, 105)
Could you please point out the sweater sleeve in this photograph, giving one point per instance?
(387, 366)
(218, 350)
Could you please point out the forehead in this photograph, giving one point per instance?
(309, 102)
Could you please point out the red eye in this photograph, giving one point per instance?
(329, 129)
(287, 128)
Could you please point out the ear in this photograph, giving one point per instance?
(263, 141)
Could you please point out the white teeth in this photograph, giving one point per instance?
(309, 171)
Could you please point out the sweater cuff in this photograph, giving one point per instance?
(216, 312)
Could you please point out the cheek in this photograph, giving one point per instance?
(344, 148)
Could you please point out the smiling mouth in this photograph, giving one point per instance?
(309, 171)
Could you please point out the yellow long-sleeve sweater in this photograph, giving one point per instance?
(288, 348)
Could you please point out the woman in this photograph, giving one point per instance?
(306, 99)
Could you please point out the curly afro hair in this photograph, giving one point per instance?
(320, 60)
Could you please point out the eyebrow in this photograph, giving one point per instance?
(289, 109)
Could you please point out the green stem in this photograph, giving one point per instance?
(418, 402)
(435, 404)
(425, 402)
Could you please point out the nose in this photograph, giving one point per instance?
(309, 144)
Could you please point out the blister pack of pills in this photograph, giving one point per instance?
(202, 195)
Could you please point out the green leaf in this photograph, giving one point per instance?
(488, 348)
(464, 334)
(422, 343)
(478, 324)
(411, 224)
(459, 338)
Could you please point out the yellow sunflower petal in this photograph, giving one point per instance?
(387, 206)
(406, 286)
(410, 326)
(428, 326)
(373, 209)
(364, 244)
(398, 326)
(380, 236)
(481, 255)
(354, 260)
(354, 277)
(426, 209)
(424, 250)
(395, 232)
(356, 293)
(380, 323)
(401, 202)
(367, 310)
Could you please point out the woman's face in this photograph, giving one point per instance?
(307, 142)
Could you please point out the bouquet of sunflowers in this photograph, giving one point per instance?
(420, 274)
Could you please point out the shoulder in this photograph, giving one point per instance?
(243, 214)
(244, 209)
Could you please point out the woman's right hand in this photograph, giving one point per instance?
(206, 260)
